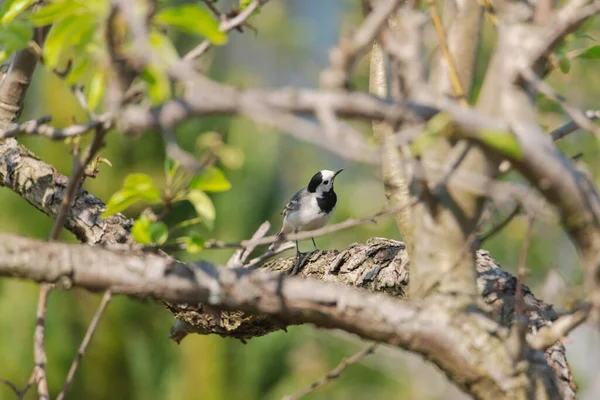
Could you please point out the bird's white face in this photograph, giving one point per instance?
(322, 182)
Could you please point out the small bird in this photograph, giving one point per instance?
(310, 208)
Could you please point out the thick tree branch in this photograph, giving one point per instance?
(457, 341)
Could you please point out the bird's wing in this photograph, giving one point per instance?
(293, 204)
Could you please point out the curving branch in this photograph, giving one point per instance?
(437, 327)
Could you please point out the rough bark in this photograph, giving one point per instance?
(43, 187)
(450, 331)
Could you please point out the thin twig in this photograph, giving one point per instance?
(349, 223)
(11, 385)
(75, 180)
(84, 344)
(240, 256)
(439, 30)
(39, 352)
(334, 373)
(38, 127)
(492, 232)
(572, 126)
(225, 27)
(578, 116)
(521, 269)
(257, 261)
(548, 335)
(517, 339)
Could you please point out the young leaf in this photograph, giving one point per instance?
(15, 35)
(141, 230)
(54, 11)
(564, 64)
(159, 232)
(203, 204)
(119, 201)
(163, 46)
(504, 141)
(59, 38)
(193, 244)
(159, 86)
(592, 53)
(95, 88)
(143, 186)
(194, 20)
(211, 180)
(12, 8)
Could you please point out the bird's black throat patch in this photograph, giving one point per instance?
(327, 201)
(315, 181)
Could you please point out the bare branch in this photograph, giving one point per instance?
(572, 126)
(39, 351)
(424, 326)
(353, 45)
(334, 373)
(241, 254)
(549, 335)
(40, 128)
(226, 26)
(89, 334)
(578, 116)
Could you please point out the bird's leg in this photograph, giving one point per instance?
(314, 244)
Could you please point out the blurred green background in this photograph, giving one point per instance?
(131, 356)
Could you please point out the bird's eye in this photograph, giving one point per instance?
(326, 182)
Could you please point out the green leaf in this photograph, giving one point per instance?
(193, 244)
(504, 141)
(159, 232)
(210, 180)
(171, 166)
(80, 67)
(246, 3)
(564, 64)
(163, 46)
(141, 230)
(95, 88)
(59, 38)
(592, 53)
(159, 85)
(143, 186)
(119, 201)
(584, 35)
(54, 11)
(12, 8)
(15, 35)
(203, 204)
(194, 20)
(145, 231)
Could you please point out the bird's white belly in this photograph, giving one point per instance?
(306, 218)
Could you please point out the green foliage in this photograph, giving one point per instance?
(12, 8)
(503, 141)
(211, 180)
(75, 35)
(193, 244)
(14, 36)
(203, 205)
(194, 20)
(591, 53)
(135, 187)
(180, 187)
(146, 231)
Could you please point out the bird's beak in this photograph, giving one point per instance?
(337, 172)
